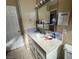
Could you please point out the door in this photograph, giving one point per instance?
(12, 25)
(53, 14)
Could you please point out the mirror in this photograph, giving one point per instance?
(53, 8)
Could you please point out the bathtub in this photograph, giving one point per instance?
(15, 43)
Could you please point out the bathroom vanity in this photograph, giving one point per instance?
(41, 48)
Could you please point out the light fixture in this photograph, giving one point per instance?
(41, 2)
(36, 5)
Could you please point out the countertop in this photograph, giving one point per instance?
(46, 45)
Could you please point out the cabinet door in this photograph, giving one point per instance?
(37, 53)
(39, 56)
(32, 47)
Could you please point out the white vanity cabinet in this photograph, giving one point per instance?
(36, 50)
(42, 49)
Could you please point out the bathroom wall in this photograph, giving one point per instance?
(43, 13)
(64, 5)
(52, 4)
(11, 2)
(27, 10)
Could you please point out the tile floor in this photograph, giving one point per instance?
(20, 53)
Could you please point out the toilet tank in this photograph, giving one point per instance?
(67, 51)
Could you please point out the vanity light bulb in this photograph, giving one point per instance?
(41, 1)
(36, 5)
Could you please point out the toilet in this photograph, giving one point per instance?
(67, 51)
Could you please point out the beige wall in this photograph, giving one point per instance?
(43, 13)
(52, 5)
(11, 2)
(28, 13)
(64, 5)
